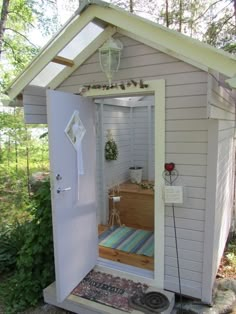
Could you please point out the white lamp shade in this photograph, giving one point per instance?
(109, 56)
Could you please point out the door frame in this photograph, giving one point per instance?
(156, 87)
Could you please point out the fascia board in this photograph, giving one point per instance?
(84, 4)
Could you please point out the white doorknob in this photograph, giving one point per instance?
(59, 190)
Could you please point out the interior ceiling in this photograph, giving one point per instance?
(126, 100)
(131, 98)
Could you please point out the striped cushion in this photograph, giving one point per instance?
(128, 240)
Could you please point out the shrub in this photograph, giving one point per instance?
(35, 263)
(12, 239)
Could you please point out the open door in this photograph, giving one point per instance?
(73, 197)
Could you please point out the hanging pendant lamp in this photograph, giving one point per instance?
(109, 57)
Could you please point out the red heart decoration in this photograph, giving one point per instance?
(169, 166)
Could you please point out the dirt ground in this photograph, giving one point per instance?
(226, 269)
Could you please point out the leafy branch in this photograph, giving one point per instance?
(22, 17)
(203, 13)
(22, 35)
(12, 49)
(221, 10)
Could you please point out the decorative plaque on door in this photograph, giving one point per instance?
(75, 132)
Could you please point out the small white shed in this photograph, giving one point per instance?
(169, 103)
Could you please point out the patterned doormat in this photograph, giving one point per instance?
(109, 290)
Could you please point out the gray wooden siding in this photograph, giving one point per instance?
(220, 180)
(224, 192)
(186, 145)
(221, 103)
(34, 100)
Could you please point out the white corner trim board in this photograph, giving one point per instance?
(212, 156)
(156, 87)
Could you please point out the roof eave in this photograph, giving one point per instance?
(84, 4)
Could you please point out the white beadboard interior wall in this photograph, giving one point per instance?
(131, 127)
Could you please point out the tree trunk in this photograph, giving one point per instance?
(27, 160)
(167, 13)
(235, 10)
(8, 152)
(15, 142)
(180, 15)
(3, 21)
(131, 6)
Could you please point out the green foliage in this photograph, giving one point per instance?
(26, 245)
(147, 186)
(19, 54)
(231, 258)
(23, 17)
(231, 252)
(35, 264)
(221, 26)
(230, 47)
(45, 15)
(111, 150)
(12, 238)
(21, 154)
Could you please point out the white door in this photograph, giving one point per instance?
(73, 213)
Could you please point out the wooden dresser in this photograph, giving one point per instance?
(136, 206)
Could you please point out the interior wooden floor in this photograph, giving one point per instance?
(136, 260)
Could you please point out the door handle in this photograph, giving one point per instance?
(59, 190)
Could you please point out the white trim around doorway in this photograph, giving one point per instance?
(156, 87)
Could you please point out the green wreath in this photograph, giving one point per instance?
(111, 150)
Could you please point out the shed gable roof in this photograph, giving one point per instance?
(111, 19)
